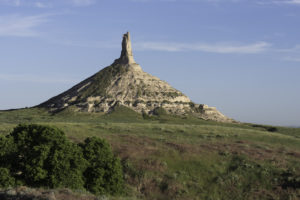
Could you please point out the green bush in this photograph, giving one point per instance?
(267, 128)
(159, 111)
(6, 179)
(42, 156)
(104, 173)
(7, 149)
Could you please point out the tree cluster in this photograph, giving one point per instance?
(42, 156)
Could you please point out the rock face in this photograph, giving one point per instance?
(126, 54)
(125, 83)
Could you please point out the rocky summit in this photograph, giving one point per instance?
(124, 83)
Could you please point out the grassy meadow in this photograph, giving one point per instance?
(172, 157)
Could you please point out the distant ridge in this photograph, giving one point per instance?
(124, 83)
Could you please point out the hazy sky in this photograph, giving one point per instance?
(241, 56)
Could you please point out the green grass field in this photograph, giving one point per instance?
(171, 157)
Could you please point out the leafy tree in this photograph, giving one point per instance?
(44, 157)
(104, 173)
(37, 156)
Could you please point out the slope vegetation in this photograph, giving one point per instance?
(182, 157)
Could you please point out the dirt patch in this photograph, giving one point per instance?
(134, 147)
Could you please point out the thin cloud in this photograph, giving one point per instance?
(47, 4)
(42, 5)
(295, 2)
(295, 49)
(261, 2)
(172, 47)
(11, 2)
(21, 26)
(85, 43)
(211, 48)
(292, 54)
(278, 2)
(210, 1)
(34, 78)
(82, 2)
(292, 59)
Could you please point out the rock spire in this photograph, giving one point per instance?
(124, 83)
(126, 54)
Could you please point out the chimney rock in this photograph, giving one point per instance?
(126, 54)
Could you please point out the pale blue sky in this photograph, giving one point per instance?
(241, 56)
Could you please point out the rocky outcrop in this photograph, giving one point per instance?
(126, 53)
(125, 83)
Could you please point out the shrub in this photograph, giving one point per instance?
(159, 111)
(7, 149)
(267, 128)
(104, 173)
(66, 166)
(289, 179)
(6, 179)
(272, 129)
(42, 156)
(243, 176)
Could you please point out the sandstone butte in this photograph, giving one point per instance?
(124, 83)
